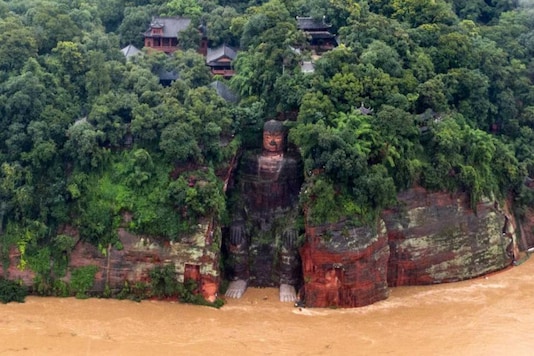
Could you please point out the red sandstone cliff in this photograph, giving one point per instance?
(195, 257)
(436, 237)
(344, 266)
(428, 238)
(526, 237)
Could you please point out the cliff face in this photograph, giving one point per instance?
(345, 266)
(194, 258)
(431, 238)
(526, 239)
(436, 237)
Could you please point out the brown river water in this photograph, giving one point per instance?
(493, 315)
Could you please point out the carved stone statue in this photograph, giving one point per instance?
(262, 241)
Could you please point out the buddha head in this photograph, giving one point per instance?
(274, 137)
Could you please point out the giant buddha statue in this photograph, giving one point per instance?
(262, 240)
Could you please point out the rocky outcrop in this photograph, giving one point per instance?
(344, 265)
(436, 237)
(431, 237)
(13, 270)
(195, 257)
(526, 237)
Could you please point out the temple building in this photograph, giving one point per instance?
(318, 32)
(220, 60)
(163, 33)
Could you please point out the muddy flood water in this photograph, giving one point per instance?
(485, 316)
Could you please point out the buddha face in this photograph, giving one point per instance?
(273, 141)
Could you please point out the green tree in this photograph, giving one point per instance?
(112, 115)
(11, 180)
(179, 144)
(84, 145)
(468, 92)
(432, 95)
(52, 24)
(110, 13)
(192, 68)
(345, 89)
(186, 8)
(136, 21)
(382, 56)
(399, 149)
(16, 44)
(219, 22)
(467, 159)
(315, 107)
(266, 39)
(418, 12)
(454, 50)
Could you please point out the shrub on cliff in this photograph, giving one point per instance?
(11, 291)
(82, 280)
(164, 284)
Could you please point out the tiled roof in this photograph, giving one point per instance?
(171, 25)
(130, 51)
(307, 23)
(219, 52)
(224, 92)
(170, 75)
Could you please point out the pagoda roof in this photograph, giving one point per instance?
(171, 25)
(321, 34)
(308, 23)
(130, 51)
(222, 51)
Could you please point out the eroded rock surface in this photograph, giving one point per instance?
(194, 258)
(432, 237)
(345, 266)
(429, 238)
(436, 237)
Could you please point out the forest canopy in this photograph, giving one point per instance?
(433, 93)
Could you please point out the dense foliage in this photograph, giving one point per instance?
(164, 284)
(11, 291)
(93, 141)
